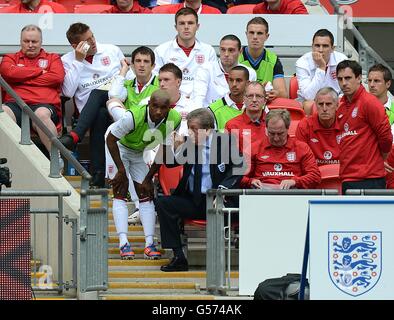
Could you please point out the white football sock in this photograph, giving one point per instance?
(119, 209)
(148, 220)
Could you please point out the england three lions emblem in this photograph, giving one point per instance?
(355, 260)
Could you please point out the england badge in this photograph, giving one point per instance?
(106, 61)
(354, 260)
(291, 156)
(200, 58)
(43, 63)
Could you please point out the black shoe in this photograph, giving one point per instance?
(68, 141)
(176, 264)
(98, 180)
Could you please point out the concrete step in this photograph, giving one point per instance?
(152, 287)
(143, 276)
(157, 297)
(136, 264)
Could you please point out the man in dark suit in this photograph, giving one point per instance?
(210, 161)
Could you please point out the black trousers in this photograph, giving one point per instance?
(95, 116)
(377, 183)
(169, 210)
(172, 208)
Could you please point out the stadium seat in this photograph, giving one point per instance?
(169, 178)
(92, 8)
(241, 9)
(293, 106)
(71, 4)
(5, 3)
(293, 87)
(330, 177)
(162, 9)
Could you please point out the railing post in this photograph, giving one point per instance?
(54, 171)
(25, 130)
(60, 244)
(215, 245)
(1, 101)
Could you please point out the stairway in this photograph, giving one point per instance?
(141, 279)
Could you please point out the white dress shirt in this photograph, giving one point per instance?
(311, 78)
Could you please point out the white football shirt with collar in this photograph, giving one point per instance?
(170, 51)
(83, 77)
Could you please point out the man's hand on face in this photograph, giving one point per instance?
(319, 60)
(80, 52)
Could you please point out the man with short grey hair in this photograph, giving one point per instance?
(209, 165)
(36, 76)
(320, 130)
(281, 162)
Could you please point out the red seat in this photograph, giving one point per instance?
(169, 179)
(71, 4)
(241, 9)
(293, 106)
(165, 8)
(92, 8)
(330, 177)
(293, 87)
(4, 3)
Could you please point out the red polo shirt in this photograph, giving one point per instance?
(136, 8)
(286, 7)
(27, 77)
(322, 141)
(247, 132)
(44, 7)
(293, 161)
(173, 8)
(364, 135)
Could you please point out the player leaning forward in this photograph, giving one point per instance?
(140, 128)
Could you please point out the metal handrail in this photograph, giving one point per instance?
(361, 40)
(216, 231)
(54, 140)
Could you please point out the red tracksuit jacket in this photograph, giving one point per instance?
(294, 160)
(322, 141)
(27, 79)
(390, 176)
(365, 134)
